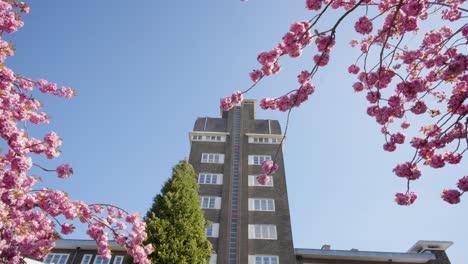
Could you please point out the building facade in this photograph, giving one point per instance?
(250, 222)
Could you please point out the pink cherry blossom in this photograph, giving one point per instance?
(64, 171)
(405, 198)
(269, 167)
(363, 25)
(463, 184)
(451, 196)
(263, 179)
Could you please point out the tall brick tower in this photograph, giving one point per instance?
(250, 223)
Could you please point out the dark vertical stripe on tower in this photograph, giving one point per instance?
(235, 190)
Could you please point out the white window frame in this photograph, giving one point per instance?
(212, 230)
(253, 182)
(263, 232)
(264, 259)
(100, 260)
(210, 138)
(264, 140)
(60, 255)
(258, 159)
(261, 204)
(84, 258)
(212, 158)
(210, 202)
(207, 178)
(118, 260)
(213, 259)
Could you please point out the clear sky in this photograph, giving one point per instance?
(145, 70)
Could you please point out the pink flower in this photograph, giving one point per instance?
(313, 4)
(451, 196)
(321, 60)
(364, 47)
(255, 75)
(64, 171)
(463, 184)
(269, 167)
(399, 138)
(363, 25)
(353, 68)
(358, 86)
(407, 170)
(419, 108)
(263, 179)
(325, 43)
(303, 77)
(237, 97)
(405, 198)
(67, 229)
(465, 31)
(226, 104)
(405, 125)
(389, 146)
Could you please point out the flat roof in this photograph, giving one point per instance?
(84, 244)
(365, 255)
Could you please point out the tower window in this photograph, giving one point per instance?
(261, 204)
(210, 202)
(210, 178)
(212, 158)
(258, 159)
(262, 232)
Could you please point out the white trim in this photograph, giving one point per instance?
(212, 158)
(261, 204)
(213, 258)
(258, 159)
(253, 259)
(207, 178)
(262, 232)
(214, 230)
(210, 202)
(207, 136)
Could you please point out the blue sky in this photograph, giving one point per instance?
(145, 70)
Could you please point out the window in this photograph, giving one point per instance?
(258, 259)
(261, 204)
(209, 138)
(213, 259)
(212, 158)
(100, 260)
(258, 159)
(56, 258)
(265, 140)
(210, 202)
(212, 230)
(210, 178)
(254, 182)
(86, 259)
(118, 260)
(262, 232)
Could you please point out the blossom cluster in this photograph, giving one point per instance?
(401, 81)
(269, 167)
(29, 218)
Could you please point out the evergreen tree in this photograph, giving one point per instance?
(175, 221)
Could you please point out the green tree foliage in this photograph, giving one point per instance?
(175, 221)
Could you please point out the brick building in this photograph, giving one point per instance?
(250, 223)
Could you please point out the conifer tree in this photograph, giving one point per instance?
(175, 221)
